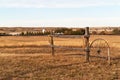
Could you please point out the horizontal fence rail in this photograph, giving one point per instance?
(86, 47)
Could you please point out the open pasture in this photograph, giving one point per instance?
(29, 58)
(113, 40)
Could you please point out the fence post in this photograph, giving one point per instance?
(87, 49)
(52, 43)
(109, 55)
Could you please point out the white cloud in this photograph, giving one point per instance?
(72, 22)
(56, 3)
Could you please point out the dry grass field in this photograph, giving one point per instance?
(29, 58)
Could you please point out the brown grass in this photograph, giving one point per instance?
(29, 58)
(114, 41)
(60, 67)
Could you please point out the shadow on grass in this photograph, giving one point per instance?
(10, 77)
(94, 56)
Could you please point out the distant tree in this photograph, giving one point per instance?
(102, 33)
(68, 31)
(46, 33)
(94, 33)
(4, 34)
(116, 31)
(22, 34)
(82, 31)
(77, 32)
(61, 30)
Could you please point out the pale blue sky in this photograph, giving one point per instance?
(59, 13)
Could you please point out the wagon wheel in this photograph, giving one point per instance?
(100, 49)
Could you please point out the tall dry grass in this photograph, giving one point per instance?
(114, 41)
(37, 66)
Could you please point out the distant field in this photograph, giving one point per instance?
(26, 44)
(114, 41)
(29, 58)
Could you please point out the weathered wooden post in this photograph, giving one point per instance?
(52, 43)
(87, 49)
(109, 55)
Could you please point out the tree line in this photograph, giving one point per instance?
(66, 31)
(115, 31)
(33, 33)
